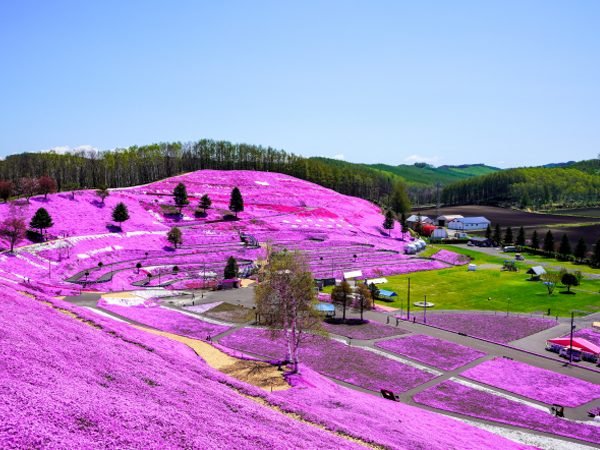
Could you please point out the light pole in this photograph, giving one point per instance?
(507, 306)
(425, 310)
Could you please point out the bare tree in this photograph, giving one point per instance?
(285, 300)
(28, 187)
(13, 229)
(363, 299)
(341, 295)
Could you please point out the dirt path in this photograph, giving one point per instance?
(257, 373)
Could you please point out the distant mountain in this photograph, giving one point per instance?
(428, 175)
(549, 166)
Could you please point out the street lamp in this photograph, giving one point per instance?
(507, 306)
(425, 310)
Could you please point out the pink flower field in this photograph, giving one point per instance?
(290, 212)
(451, 258)
(365, 330)
(334, 359)
(67, 385)
(457, 398)
(436, 352)
(168, 320)
(496, 328)
(532, 382)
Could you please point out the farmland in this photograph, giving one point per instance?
(505, 217)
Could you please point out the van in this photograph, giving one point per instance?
(565, 353)
(510, 248)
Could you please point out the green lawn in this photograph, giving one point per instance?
(457, 288)
(558, 264)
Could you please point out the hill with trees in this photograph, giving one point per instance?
(535, 187)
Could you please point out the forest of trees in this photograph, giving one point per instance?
(140, 165)
(526, 187)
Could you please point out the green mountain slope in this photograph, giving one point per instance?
(418, 173)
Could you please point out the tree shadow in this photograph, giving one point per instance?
(113, 228)
(98, 204)
(168, 248)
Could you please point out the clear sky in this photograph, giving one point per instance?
(506, 83)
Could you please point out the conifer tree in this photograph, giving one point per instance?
(521, 237)
(497, 238)
(549, 242)
(535, 240)
(508, 237)
(174, 236)
(488, 232)
(565, 246)
(205, 202)
(236, 203)
(580, 249)
(231, 269)
(120, 214)
(596, 255)
(403, 222)
(180, 196)
(41, 220)
(388, 222)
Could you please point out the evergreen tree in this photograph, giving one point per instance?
(419, 225)
(508, 236)
(374, 291)
(565, 246)
(596, 255)
(120, 214)
(535, 240)
(549, 242)
(180, 196)
(580, 249)
(521, 237)
(388, 222)
(497, 237)
(236, 203)
(399, 201)
(231, 269)
(488, 232)
(174, 236)
(205, 202)
(403, 222)
(41, 220)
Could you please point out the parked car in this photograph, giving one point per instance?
(565, 353)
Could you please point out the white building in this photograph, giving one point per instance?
(442, 221)
(412, 220)
(468, 223)
(439, 233)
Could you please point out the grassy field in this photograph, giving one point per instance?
(554, 263)
(457, 288)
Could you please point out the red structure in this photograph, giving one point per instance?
(428, 230)
(578, 343)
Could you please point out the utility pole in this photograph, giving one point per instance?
(408, 302)
(438, 211)
(571, 344)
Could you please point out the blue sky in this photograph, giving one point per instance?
(506, 83)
